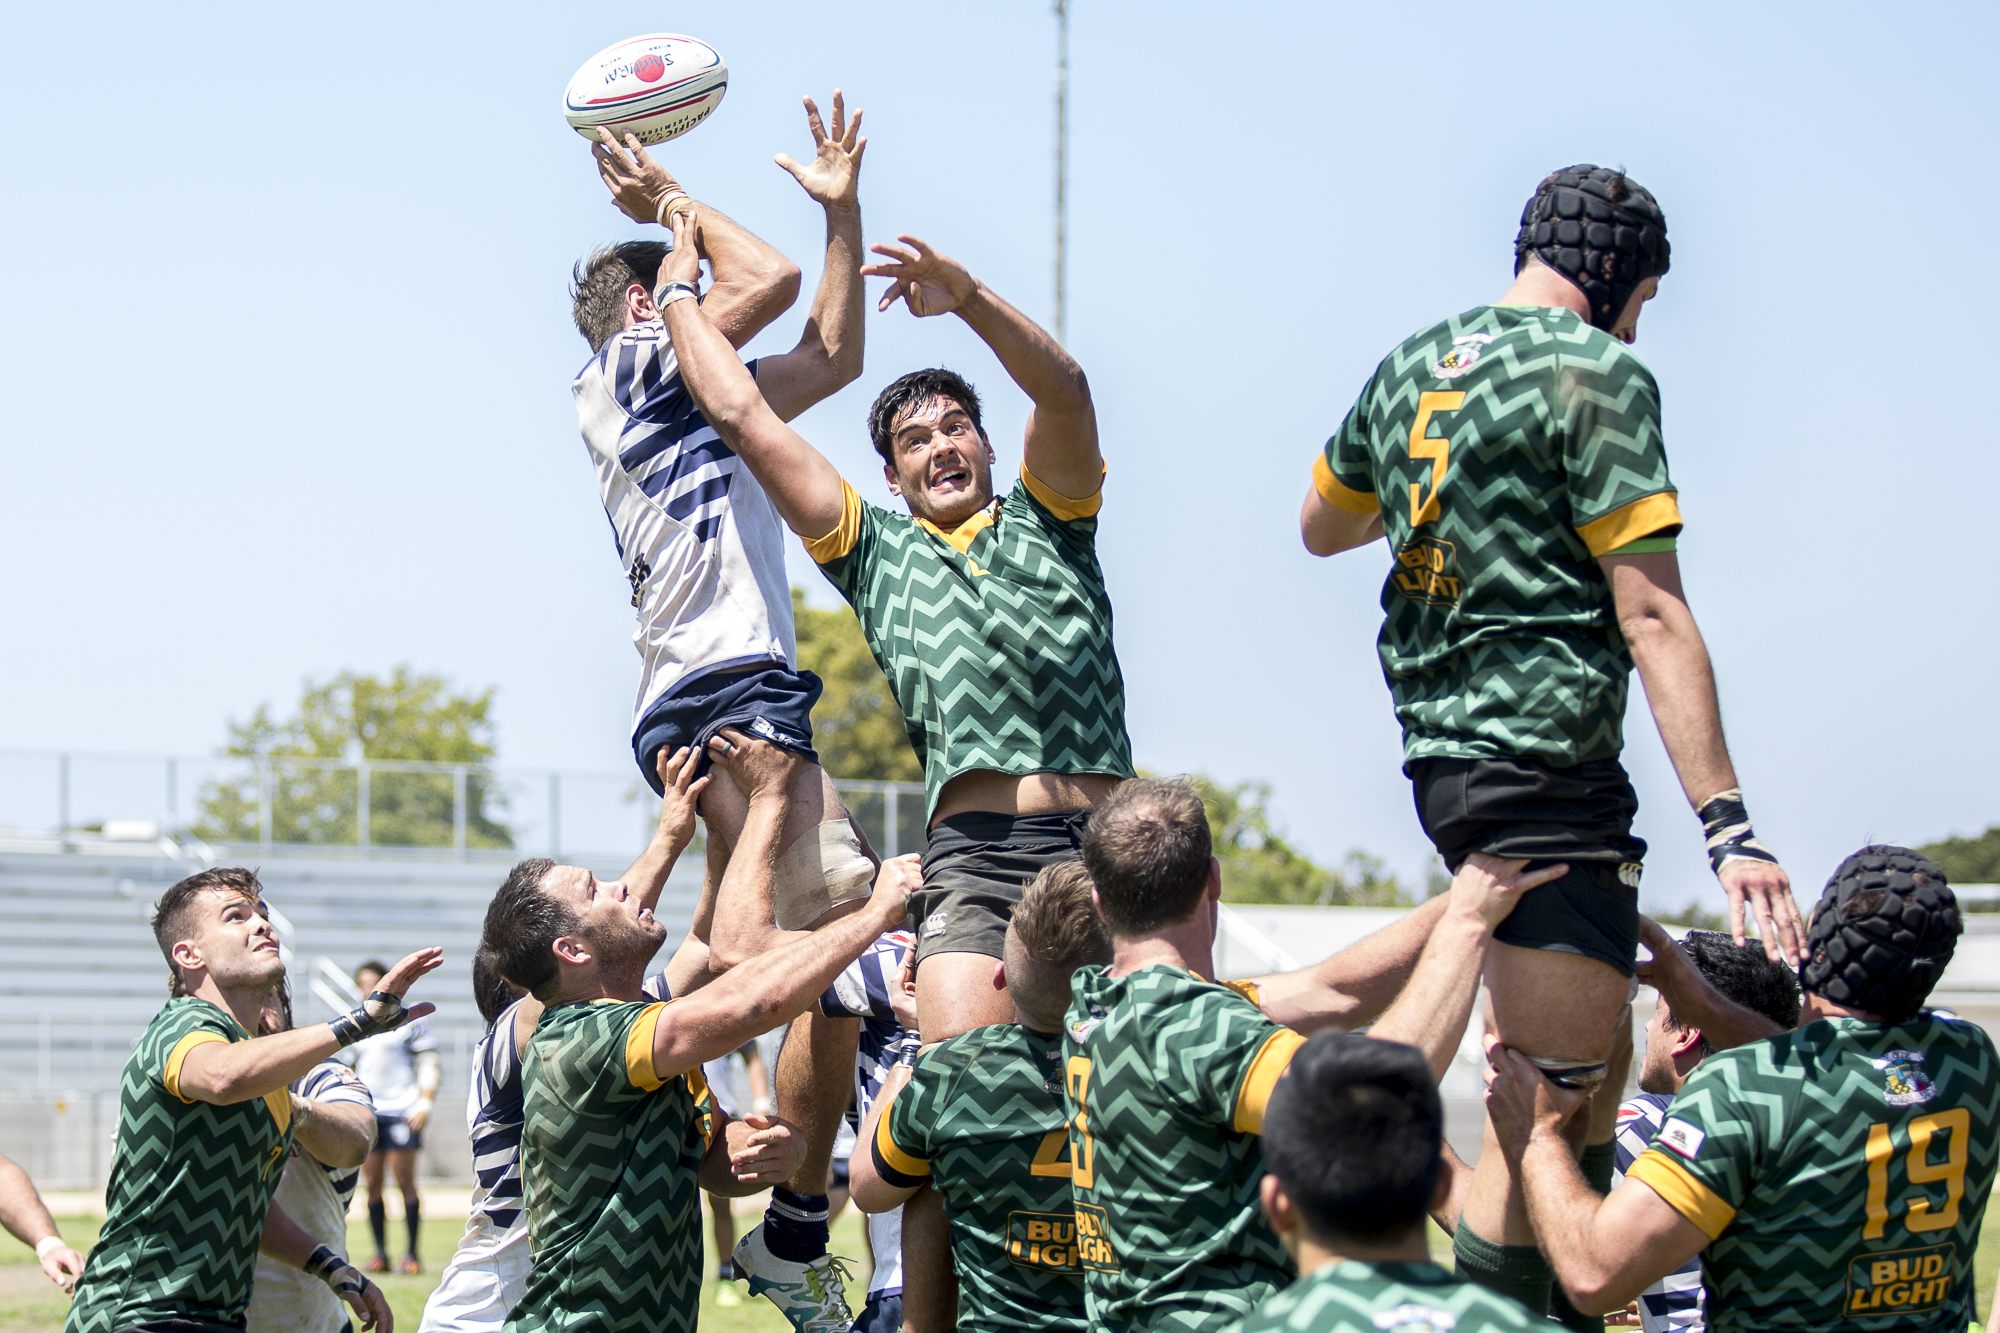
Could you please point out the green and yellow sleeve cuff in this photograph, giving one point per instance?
(1683, 1193)
(841, 540)
(1340, 495)
(895, 1166)
(1064, 507)
(1654, 516)
(1273, 1058)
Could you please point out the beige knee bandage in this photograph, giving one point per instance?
(820, 871)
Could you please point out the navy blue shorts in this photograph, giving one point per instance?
(770, 703)
(882, 1314)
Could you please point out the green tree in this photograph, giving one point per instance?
(857, 728)
(1694, 916)
(1968, 860)
(408, 716)
(1259, 866)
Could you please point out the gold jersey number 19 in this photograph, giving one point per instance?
(1922, 1214)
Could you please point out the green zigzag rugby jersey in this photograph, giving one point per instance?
(1505, 450)
(982, 1119)
(1843, 1171)
(609, 1155)
(1353, 1297)
(996, 638)
(1166, 1077)
(190, 1184)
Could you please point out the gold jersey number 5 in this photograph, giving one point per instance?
(1425, 509)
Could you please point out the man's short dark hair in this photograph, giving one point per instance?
(1353, 1133)
(522, 927)
(914, 390)
(1058, 931)
(173, 917)
(598, 283)
(1147, 850)
(1744, 974)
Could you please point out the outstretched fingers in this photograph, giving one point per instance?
(817, 126)
(409, 969)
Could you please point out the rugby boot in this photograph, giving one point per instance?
(812, 1296)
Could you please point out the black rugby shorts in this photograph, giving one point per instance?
(976, 866)
(1520, 808)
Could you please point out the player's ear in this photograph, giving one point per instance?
(639, 302)
(889, 475)
(187, 956)
(573, 950)
(1000, 975)
(1277, 1204)
(1687, 1039)
(1214, 880)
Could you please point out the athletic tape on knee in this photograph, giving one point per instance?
(820, 871)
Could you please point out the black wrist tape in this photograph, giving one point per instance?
(1726, 825)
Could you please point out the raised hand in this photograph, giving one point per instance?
(764, 1149)
(833, 176)
(637, 183)
(1490, 887)
(683, 262)
(680, 806)
(1766, 890)
(1520, 1099)
(758, 767)
(929, 281)
(899, 877)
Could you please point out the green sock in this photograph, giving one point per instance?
(1518, 1272)
(1599, 1159)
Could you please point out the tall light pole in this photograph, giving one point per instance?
(1062, 156)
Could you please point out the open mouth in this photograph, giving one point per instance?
(645, 914)
(946, 478)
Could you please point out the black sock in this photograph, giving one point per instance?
(413, 1219)
(725, 1271)
(378, 1222)
(795, 1226)
(1518, 1272)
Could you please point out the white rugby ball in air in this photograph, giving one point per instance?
(656, 88)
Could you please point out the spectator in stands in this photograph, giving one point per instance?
(333, 1128)
(24, 1214)
(401, 1071)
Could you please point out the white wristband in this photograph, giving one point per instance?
(44, 1245)
(424, 1104)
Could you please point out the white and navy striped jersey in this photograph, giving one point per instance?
(1674, 1303)
(862, 991)
(316, 1196)
(493, 1114)
(701, 543)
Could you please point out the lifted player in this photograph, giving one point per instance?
(1832, 1178)
(1512, 455)
(699, 540)
(205, 1120)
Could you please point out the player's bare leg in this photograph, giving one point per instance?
(955, 994)
(1549, 1005)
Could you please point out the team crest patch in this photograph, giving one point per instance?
(1904, 1081)
(1464, 354)
(1414, 1319)
(1682, 1137)
(935, 923)
(1079, 1031)
(1629, 872)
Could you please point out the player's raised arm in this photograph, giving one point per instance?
(1061, 448)
(757, 995)
(828, 357)
(754, 284)
(805, 487)
(1434, 1008)
(1355, 985)
(1673, 663)
(227, 1072)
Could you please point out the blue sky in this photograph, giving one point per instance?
(284, 354)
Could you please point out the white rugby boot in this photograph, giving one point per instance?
(812, 1297)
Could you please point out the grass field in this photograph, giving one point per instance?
(29, 1303)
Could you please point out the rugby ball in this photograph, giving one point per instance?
(656, 88)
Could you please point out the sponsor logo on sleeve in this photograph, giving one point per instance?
(1904, 1082)
(1682, 1137)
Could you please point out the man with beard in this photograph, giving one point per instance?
(618, 1130)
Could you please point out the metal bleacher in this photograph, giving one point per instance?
(80, 975)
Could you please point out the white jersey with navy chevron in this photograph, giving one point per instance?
(862, 991)
(493, 1116)
(701, 543)
(315, 1196)
(1674, 1303)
